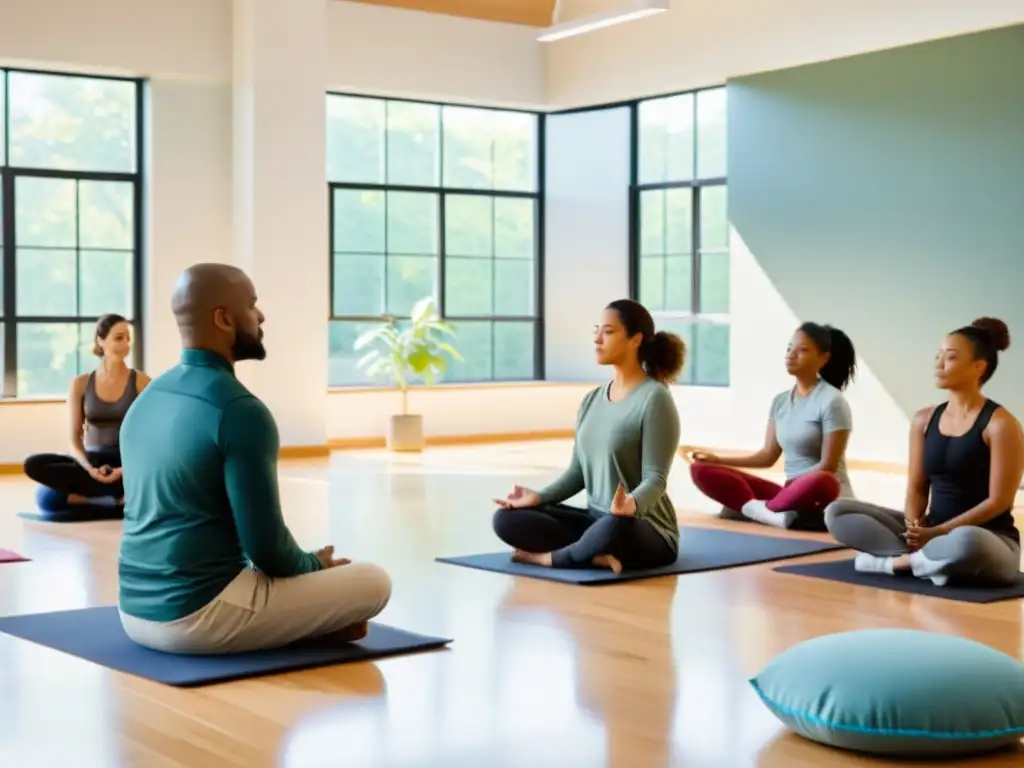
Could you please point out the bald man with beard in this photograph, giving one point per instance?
(207, 565)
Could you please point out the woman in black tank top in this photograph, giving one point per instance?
(87, 480)
(966, 464)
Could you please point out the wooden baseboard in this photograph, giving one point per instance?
(304, 451)
(287, 452)
(882, 467)
(356, 443)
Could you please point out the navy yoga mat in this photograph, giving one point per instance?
(53, 508)
(700, 549)
(83, 513)
(844, 572)
(95, 634)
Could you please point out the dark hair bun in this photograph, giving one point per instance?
(996, 330)
(666, 356)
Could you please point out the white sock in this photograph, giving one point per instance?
(920, 565)
(866, 563)
(758, 511)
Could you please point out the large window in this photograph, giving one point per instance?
(69, 222)
(443, 201)
(682, 226)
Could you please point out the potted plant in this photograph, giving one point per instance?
(415, 352)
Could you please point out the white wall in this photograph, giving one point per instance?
(373, 49)
(489, 409)
(698, 44)
(189, 192)
(391, 52)
(179, 39)
(761, 325)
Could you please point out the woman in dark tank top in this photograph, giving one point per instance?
(958, 517)
(90, 473)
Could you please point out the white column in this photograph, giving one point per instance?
(188, 198)
(280, 204)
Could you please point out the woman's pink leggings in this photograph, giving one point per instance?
(730, 487)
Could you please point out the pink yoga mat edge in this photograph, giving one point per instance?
(7, 556)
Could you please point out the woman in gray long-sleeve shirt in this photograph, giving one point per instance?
(627, 436)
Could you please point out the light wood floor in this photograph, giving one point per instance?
(542, 675)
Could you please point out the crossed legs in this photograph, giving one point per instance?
(968, 552)
(257, 612)
(69, 482)
(802, 500)
(560, 536)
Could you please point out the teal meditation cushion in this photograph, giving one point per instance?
(897, 692)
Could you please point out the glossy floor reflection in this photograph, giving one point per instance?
(638, 675)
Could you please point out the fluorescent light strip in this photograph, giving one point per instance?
(629, 12)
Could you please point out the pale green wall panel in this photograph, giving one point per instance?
(884, 193)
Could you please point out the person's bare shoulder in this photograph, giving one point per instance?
(1004, 422)
(78, 383)
(922, 417)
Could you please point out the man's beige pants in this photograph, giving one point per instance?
(256, 612)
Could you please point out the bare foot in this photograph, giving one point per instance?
(542, 559)
(608, 561)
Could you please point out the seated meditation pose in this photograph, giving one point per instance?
(809, 425)
(965, 466)
(627, 435)
(207, 565)
(91, 473)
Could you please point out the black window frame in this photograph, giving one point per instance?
(695, 316)
(636, 189)
(8, 178)
(443, 192)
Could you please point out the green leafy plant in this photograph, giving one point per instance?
(415, 352)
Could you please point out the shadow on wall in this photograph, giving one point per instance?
(763, 322)
(882, 193)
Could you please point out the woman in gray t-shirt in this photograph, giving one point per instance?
(809, 425)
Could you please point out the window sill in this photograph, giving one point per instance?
(457, 385)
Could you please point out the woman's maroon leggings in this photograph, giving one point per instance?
(731, 488)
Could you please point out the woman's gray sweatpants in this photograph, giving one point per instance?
(968, 552)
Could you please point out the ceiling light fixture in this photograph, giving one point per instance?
(630, 11)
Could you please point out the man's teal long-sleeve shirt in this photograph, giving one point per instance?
(199, 454)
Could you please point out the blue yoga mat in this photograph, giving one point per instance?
(84, 513)
(53, 508)
(843, 571)
(700, 549)
(96, 635)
